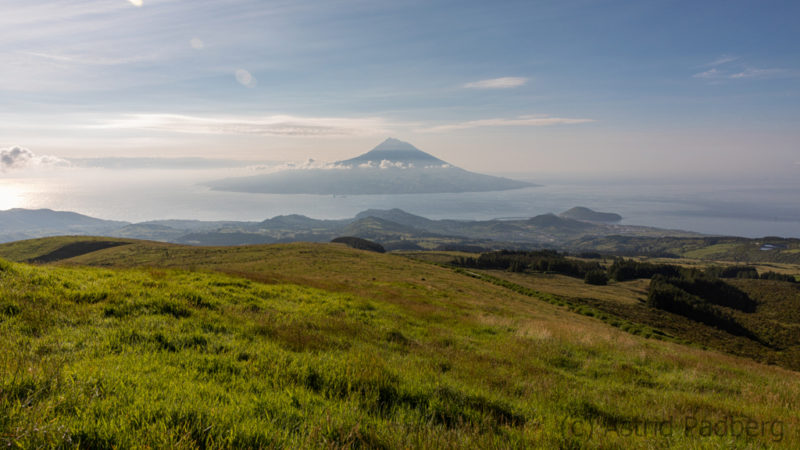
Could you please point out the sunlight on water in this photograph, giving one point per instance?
(11, 196)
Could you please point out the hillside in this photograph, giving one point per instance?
(396, 229)
(774, 338)
(393, 167)
(544, 230)
(18, 223)
(321, 345)
(588, 215)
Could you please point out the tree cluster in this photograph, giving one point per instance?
(629, 269)
(537, 261)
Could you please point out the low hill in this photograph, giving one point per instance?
(588, 215)
(358, 243)
(321, 345)
(21, 223)
(560, 224)
(381, 229)
(397, 229)
(397, 216)
(34, 249)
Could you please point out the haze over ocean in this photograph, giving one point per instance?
(749, 209)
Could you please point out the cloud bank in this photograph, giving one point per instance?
(497, 83)
(275, 125)
(20, 158)
(286, 125)
(521, 121)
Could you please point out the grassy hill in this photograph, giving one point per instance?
(717, 248)
(319, 345)
(775, 324)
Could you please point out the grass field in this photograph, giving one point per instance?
(320, 345)
(775, 323)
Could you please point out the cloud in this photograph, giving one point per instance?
(521, 121)
(309, 164)
(90, 60)
(497, 83)
(384, 164)
(708, 74)
(723, 69)
(20, 158)
(275, 125)
(184, 163)
(137, 3)
(752, 72)
(312, 164)
(742, 74)
(724, 59)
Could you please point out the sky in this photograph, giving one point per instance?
(650, 88)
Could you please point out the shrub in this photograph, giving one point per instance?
(596, 277)
(778, 277)
(714, 291)
(732, 272)
(520, 261)
(628, 269)
(360, 244)
(665, 295)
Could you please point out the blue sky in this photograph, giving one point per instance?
(585, 87)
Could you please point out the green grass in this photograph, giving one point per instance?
(774, 325)
(324, 346)
(711, 251)
(34, 248)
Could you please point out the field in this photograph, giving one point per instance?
(319, 345)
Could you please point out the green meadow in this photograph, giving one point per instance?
(148, 345)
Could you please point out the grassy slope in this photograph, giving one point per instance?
(31, 249)
(733, 249)
(322, 345)
(776, 322)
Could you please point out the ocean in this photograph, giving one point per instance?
(750, 209)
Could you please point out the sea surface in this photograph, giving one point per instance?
(752, 209)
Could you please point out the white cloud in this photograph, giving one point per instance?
(309, 164)
(21, 158)
(197, 43)
(751, 72)
(497, 83)
(741, 74)
(708, 74)
(91, 60)
(275, 125)
(728, 67)
(724, 59)
(521, 121)
(137, 3)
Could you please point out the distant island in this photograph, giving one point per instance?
(396, 230)
(393, 167)
(587, 215)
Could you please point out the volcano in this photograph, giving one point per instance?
(393, 167)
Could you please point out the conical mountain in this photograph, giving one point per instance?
(396, 151)
(393, 167)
